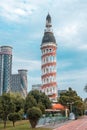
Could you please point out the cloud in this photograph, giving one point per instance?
(30, 65)
(75, 79)
(68, 31)
(83, 47)
(14, 10)
(73, 35)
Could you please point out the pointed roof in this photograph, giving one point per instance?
(48, 18)
(48, 37)
(48, 34)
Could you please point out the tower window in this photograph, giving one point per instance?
(46, 50)
(50, 50)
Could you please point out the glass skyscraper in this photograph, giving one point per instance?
(5, 68)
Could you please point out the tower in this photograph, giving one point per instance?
(5, 68)
(48, 62)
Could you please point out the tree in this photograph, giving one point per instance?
(18, 101)
(72, 101)
(14, 117)
(41, 106)
(6, 107)
(29, 103)
(85, 102)
(40, 98)
(45, 101)
(34, 114)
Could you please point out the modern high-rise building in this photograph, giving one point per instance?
(19, 82)
(48, 59)
(5, 68)
(11, 82)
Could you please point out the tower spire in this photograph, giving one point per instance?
(48, 23)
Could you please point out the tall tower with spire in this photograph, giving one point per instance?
(48, 61)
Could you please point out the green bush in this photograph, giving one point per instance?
(34, 114)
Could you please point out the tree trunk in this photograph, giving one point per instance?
(33, 123)
(13, 124)
(4, 123)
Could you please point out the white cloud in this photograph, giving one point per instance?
(83, 47)
(73, 35)
(14, 9)
(30, 65)
(19, 11)
(68, 31)
(68, 34)
(76, 79)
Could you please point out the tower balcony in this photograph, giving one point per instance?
(51, 94)
(49, 54)
(52, 84)
(49, 64)
(49, 74)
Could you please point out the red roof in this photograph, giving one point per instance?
(58, 106)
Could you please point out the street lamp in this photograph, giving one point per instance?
(70, 105)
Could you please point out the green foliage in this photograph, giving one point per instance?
(45, 101)
(34, 114)
(85, 103)
(42, 100)
(14, 117)
(6, 107)
(10, 103)
(18, 101)
(21, 112)
(36, 94)
(69, 98)
(29, 102)
(41, 106)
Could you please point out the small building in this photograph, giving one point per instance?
(36, 87)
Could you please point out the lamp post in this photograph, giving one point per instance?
(71, 114)
(70, 105)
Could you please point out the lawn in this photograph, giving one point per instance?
(20, 125)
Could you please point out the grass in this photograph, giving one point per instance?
(20, 125)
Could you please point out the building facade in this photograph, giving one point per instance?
(48, 62)
(11, 82)
(19, 82)
(5, 68)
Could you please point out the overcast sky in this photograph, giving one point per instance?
(22, 24)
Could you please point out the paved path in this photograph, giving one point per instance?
(80, 124)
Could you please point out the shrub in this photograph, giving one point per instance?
(34, 114)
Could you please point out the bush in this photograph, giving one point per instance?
(34, 114)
